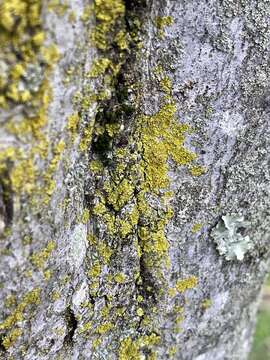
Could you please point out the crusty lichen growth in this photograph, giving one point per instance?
(186, 284)
(25, 66)
(31, 298)
(107, 13)
(39, 259)
(161, 23)
(197, 170)
(11, 337)
(124, 204)
(196, 227)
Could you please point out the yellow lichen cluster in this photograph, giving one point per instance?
(21, 30)
(49, 183)
(124, 202)
(132, 349)
(11, 337)
(104, 328)
(162, 22)
(31, 298)
(25, 65)
(39, 259)
(107, 13)
(196, 227)
(109, 29)
(185, 284)
(197, 170)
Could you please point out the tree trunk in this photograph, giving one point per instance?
(134, 179)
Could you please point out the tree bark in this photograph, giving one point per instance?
(134, 178)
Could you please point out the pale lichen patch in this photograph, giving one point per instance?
(230, 238)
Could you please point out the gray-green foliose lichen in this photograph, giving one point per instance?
(228, 235)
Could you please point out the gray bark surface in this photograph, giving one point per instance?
(153, 286)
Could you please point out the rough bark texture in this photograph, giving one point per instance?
(112, 187)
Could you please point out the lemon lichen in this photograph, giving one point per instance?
(11, 337)
(129, 350)
(39, 259)
(119, 278)
(185, 284)
(196, 227)
(197, 170)
(162, 22)
(107, 13)
(26, 64)
(104, 328)
(31, 298)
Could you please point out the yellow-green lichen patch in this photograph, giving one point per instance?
(166, 85)
(162, 138)
(129, 350)
(48, 175)
(55, 295)
(86, 327)
(85, 216)
(59, 7)
(197, 170)
(31, 298)
(99, 67)
(162, 22)
(107, 13)
(73, 122)
(119, 278)
(26, 64)
(95, 271)
(104, 328)
(96, 166)
(23, 176)
(10, 301)
(186, 284)
(40, 258)
(196, 227)
(11, 337)
(119, 195)
(133, 349)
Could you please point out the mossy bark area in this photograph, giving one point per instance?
(128, 129)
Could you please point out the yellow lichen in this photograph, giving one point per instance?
(96, 166)
(121, 40)
(197, 170)
(95, 270)
(140, 312)
(104, 328)
(107, 12)
(119, 278)
(22, 40)
(99, 67)
(31, 298)
(119, 195)
(166, 85)
(162, 22)
(129, 350)
(11, 337)
(86, 327)
(196, 227)
(55, 295)
(185, 284)
(23, 176)
(73, 121)
(39, 259)
(85, 216)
